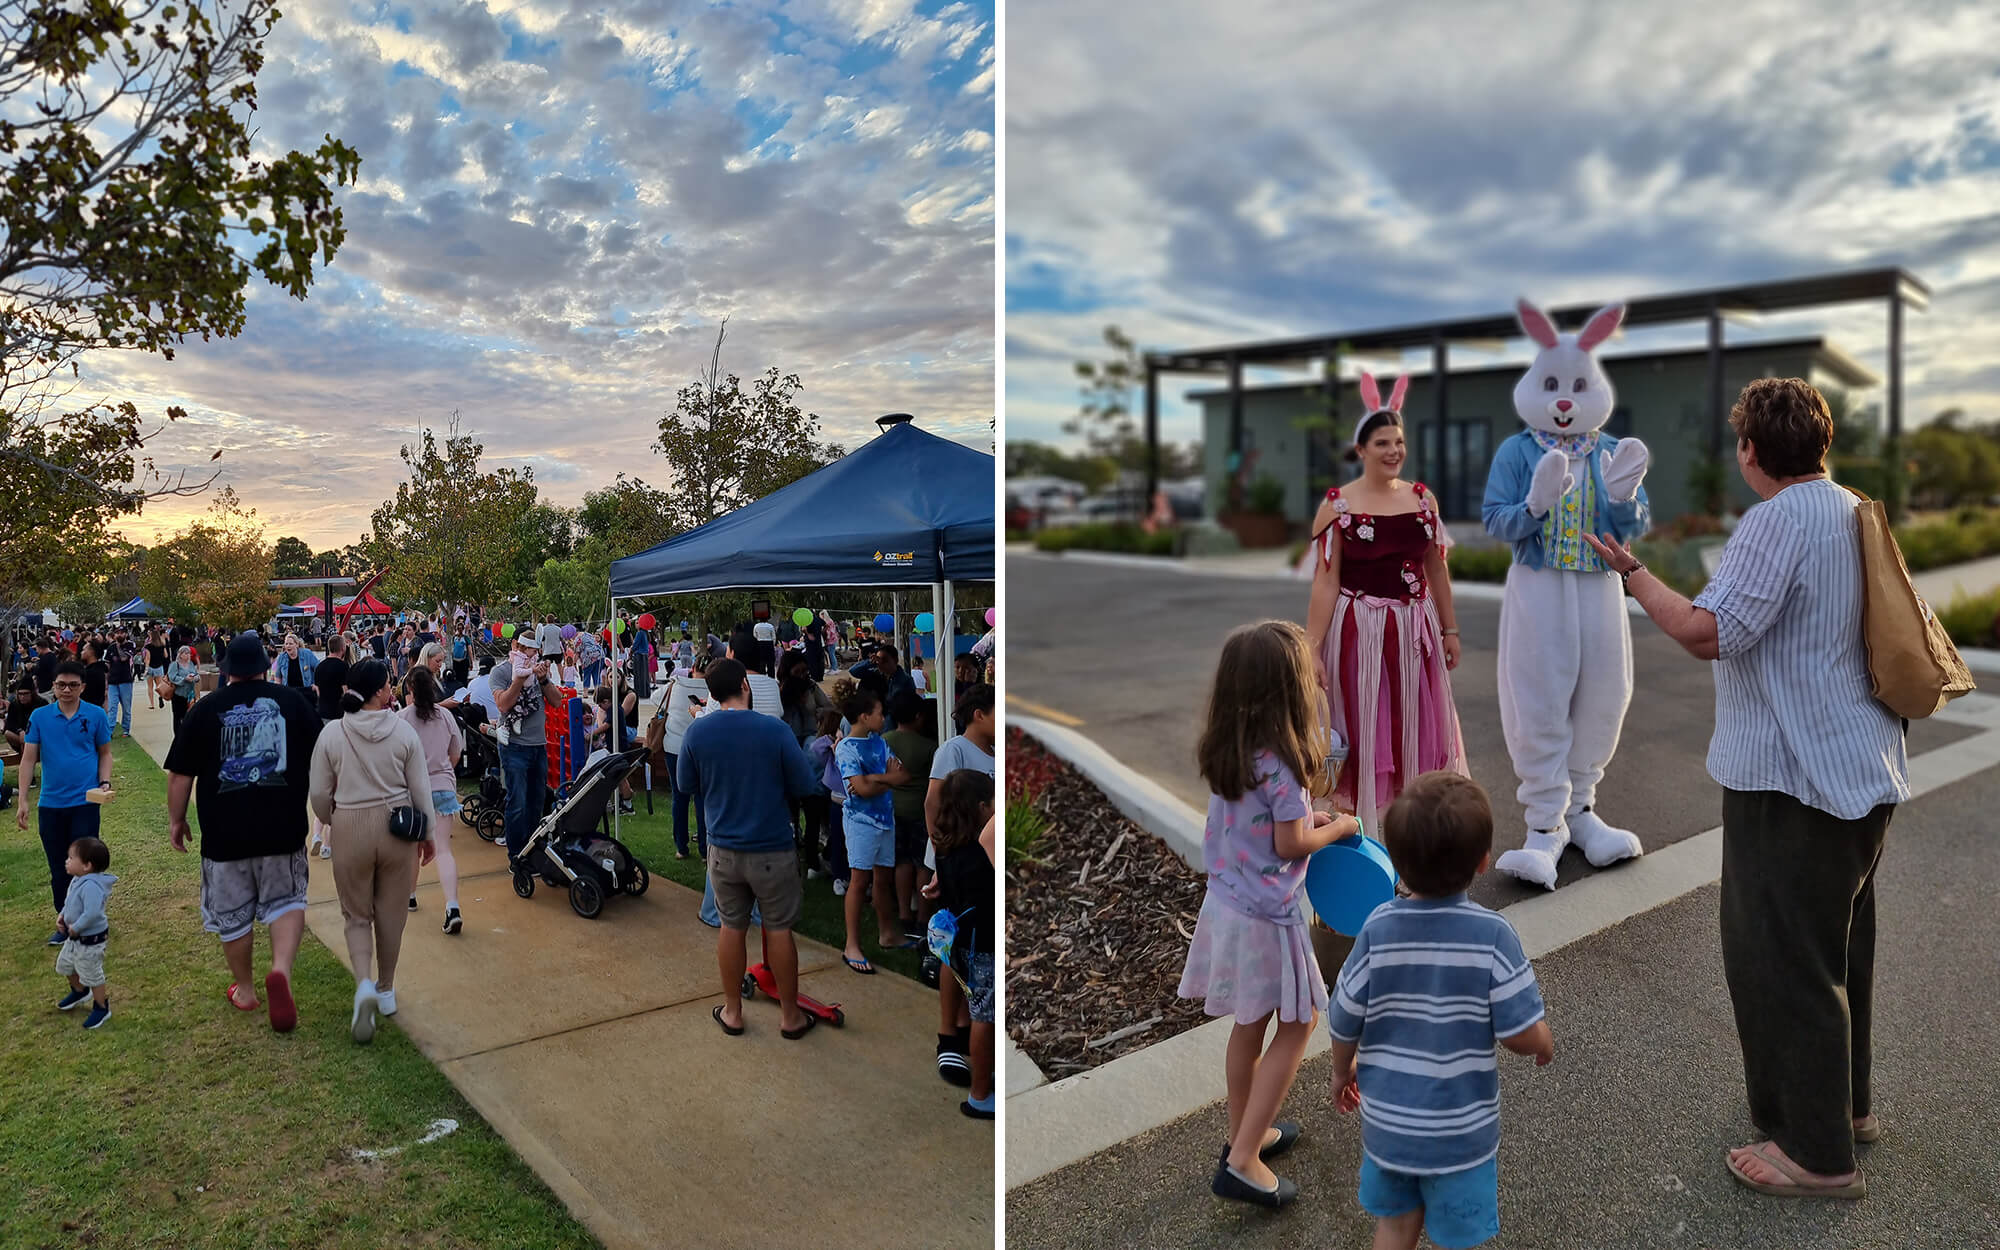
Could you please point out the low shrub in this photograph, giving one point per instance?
(1969, 534)
(1971, 620)
(1102, 537)
(1020, 536)
(1025, 827)
(1480, 564)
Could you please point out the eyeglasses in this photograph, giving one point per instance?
(67, 685)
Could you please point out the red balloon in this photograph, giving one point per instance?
(646, 621)
(496, 625)
(606, 635)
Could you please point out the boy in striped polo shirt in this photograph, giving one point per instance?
(1433, 981)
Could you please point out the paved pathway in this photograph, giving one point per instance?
(588, 1046)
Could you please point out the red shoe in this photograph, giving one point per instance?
(284, 1012)
(230, 994)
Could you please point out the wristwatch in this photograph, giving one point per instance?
(1625, 575)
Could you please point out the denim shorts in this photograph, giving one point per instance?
(979, 989)
(445, 803)
(1461, 1209)
(869, 845)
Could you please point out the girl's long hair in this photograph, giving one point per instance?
(963, 805)
(424, 692)
(1266, 698)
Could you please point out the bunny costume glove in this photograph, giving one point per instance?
(1565, 664)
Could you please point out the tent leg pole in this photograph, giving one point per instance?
(896, 630)
(947, 659)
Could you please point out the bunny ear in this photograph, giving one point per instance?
(1536, 323)
(1602, 325)
(1371, 394)
(1397, 392)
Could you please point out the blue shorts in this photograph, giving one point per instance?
(1461, 1209)
(869, 845)
(445, 802)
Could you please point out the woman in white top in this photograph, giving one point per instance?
(365, 765)
(685, 695)
(1811, 768)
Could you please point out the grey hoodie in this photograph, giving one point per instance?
(369, 759)
(85, 907)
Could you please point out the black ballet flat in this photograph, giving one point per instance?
(1228, 1184)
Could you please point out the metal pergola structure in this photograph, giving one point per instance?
(1897, 287)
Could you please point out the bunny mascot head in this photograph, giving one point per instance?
(1565, 670)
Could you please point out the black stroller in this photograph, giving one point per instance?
(573, 848)
(486, 810)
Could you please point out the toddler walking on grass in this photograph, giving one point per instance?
(1433, 981)
(1263, 753)
(84, 927)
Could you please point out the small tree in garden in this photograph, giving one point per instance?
(217, 570)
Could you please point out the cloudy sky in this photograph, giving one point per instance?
(558, 205)
(1201, 174)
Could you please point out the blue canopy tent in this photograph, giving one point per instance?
(135, 607)
(906, 509)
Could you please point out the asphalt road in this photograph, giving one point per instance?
(1129, 654)
(1621, 1141)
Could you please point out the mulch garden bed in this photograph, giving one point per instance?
(1099, 916)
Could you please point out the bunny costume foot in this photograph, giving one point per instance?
(1535, 863)
(1565, 662)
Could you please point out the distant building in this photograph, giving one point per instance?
(1663, 399)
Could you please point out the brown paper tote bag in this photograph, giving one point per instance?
(1911, 661)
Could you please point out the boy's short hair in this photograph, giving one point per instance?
(726, 680)
(93, 852)
(977, 698)
(907, 707)
(72, 668)
(1437, 831)
(859, 704)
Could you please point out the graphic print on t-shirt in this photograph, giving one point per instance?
(253, 746)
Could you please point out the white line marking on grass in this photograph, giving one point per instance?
(439, 1129)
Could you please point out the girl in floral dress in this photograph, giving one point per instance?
(1381, 622)
(1263, 754)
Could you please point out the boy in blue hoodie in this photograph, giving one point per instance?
(84, 927)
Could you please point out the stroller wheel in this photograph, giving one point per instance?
(586, 897)
(491, 825)
(524, 884)
(636, 884)
(749, 986)
(470, 816)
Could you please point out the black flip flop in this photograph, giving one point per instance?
(793, 1035)
(716, 1011)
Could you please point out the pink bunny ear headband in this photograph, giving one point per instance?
(1371, 398)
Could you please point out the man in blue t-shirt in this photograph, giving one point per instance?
(745, 767)
(71, 740)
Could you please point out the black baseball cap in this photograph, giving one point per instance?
(245, 656)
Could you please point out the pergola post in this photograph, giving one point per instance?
(1892, 451)
(1715, 406)
(1441, 474)
(1152, 431)
(1235, 404)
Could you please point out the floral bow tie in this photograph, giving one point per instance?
(1575, 446)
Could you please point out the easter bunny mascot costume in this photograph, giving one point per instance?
(1565, 662)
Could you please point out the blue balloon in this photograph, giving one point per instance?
(885, 623)
(684, 625)
(925, 623)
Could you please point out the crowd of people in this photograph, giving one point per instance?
(1811, 765)
(347, 743)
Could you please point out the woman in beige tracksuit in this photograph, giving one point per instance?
(368, 762)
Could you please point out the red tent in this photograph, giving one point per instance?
(369, 606)
(311, 605)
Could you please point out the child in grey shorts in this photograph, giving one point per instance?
(85, 927)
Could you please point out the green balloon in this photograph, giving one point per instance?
(506, 631)
(618, 626)
(802, 617)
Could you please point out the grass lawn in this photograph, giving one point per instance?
(652, 840)
(184, 1123)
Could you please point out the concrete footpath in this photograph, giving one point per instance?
(588, 1045)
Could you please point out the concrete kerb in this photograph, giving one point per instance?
(1052, 1125)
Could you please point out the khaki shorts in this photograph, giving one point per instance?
(87, 962)
(768, 878)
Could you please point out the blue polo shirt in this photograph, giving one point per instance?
(743, 765)
(68, 750)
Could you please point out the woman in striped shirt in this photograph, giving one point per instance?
(1812, 768)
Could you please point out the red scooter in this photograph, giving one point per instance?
(759, 977)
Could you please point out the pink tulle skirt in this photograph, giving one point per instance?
(1391, 700)
(1245, 967)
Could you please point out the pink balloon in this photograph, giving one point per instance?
(990, 616)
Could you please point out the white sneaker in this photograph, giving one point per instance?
(839, 887)
(813, 874)
(325, 849)
(385, 1002)
(363, 1025)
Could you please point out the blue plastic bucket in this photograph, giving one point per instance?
(1349, 879)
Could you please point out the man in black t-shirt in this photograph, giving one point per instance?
(96, 674)
(245, 753)
(19, 708)
(330, 678)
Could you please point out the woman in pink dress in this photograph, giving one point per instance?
(1381, 622)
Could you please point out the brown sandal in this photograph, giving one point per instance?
(1796, 1185)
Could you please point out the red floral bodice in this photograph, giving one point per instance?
(1382, 556)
